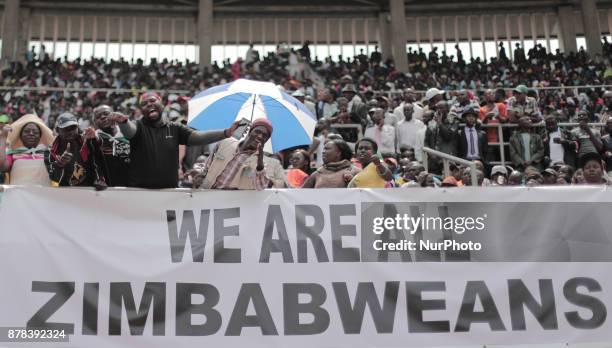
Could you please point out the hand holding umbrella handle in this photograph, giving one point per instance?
(227, 132)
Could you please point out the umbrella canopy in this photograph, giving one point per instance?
(218, 107)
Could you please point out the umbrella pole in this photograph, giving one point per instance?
(253, 108)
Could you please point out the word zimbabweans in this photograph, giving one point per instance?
(581, 309)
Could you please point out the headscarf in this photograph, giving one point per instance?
(14, 137)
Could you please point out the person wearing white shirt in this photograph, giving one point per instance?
(299, 95)
(382, 133)
(406, 131)
(556, 149)
(558, 146)
(408, 99)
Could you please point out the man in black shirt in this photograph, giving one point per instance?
(115, 147)
(155, 142)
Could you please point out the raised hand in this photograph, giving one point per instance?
(66, 157)
(347, 177)
(260, 155)
(229, 131)
(119, 117)
(90, 133)
(375, 160)
(5, 129)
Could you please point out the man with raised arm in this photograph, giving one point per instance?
(154, 143)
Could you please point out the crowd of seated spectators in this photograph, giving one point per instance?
(373, 120)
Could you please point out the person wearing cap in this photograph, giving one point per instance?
(522, 105)
(350, 92)
(75, 158)
(154, 142)
(299, 95)
(4, 119)
(432, 97)
(533, 178)
(374, 172)
(526, 147)
(515, 178)
(239, 165)
(22, 148)
(114, 146)
(462, 103)
(549, 176)
(499, 176)
(356, 106)
(472, 142)
(382, 133)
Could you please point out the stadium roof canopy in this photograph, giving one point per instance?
(301, 7)
(364, 23)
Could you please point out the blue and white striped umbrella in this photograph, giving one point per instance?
(218, 107)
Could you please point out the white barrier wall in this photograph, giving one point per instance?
(309, 268)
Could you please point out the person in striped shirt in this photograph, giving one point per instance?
(240, 165)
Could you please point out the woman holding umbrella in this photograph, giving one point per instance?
(28, 138)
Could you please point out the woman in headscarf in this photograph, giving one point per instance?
(337, 170)
(300, 168)
(375, 173)
(23, 159)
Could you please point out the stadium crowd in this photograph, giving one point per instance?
(373, 121)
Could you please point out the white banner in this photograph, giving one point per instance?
(308, 268)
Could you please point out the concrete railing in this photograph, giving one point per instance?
(446, 159)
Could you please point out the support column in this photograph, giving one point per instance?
(10, 31)
(567, 32)
(384, 33)
(398, 32)
(592, 32)
(24, 34)
(205, 31)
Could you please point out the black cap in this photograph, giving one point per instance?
(66, 120)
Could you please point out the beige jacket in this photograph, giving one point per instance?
(245, 177)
